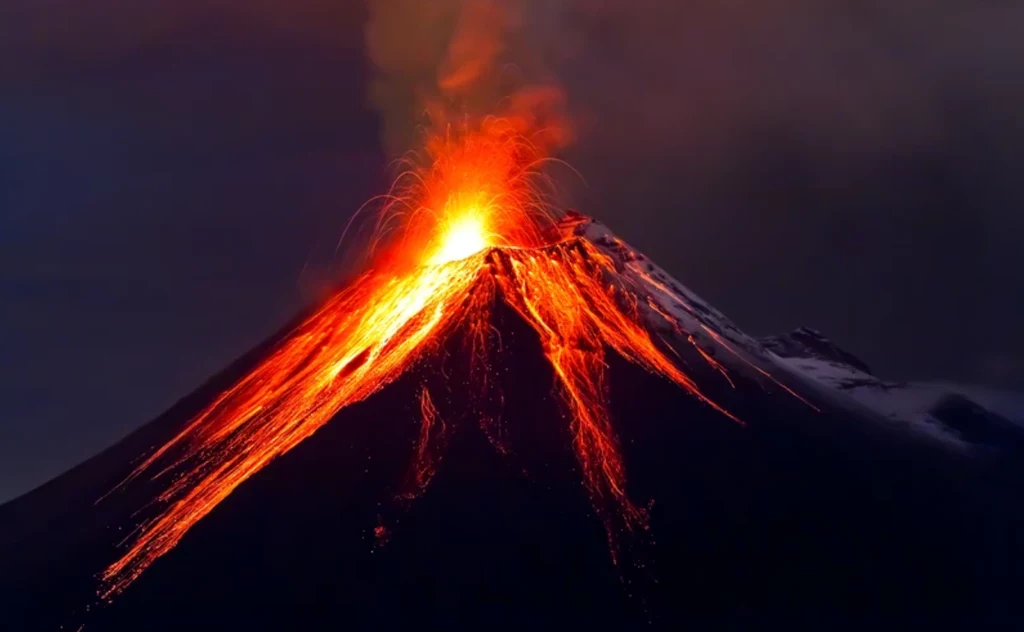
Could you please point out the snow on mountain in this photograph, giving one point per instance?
(668, 295)
(965, 417)
(960, 416)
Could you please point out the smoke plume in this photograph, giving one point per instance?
(459, 61)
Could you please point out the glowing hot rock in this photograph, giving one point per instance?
(462, 238)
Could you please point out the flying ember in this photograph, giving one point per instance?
(464, 227)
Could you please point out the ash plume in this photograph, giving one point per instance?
(441, 62)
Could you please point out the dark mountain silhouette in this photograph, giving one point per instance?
(814, 515)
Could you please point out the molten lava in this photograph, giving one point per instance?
(466, 230)
(464, 238)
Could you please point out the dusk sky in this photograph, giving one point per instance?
(174, 179)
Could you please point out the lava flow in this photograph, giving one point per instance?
(469, 228)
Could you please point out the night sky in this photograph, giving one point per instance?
(174, 178)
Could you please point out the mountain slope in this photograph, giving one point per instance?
(963, 417)
(810, 513)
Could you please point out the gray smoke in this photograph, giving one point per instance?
(445, 60)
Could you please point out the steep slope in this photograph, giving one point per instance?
(806, 512)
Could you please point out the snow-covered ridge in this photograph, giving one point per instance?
(683, 304)
(960, 416)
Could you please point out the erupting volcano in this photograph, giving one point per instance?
(510, 417)
(480, 299)
(472, 229)
(465, 431)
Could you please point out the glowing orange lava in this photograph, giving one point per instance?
(464, 238)
(466, 230)
(433, 431)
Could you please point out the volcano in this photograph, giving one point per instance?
(516, 471)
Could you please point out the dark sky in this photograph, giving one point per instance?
(168, 171)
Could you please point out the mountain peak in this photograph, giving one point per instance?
(805, 342)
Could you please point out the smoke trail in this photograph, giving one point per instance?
(447, 61)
